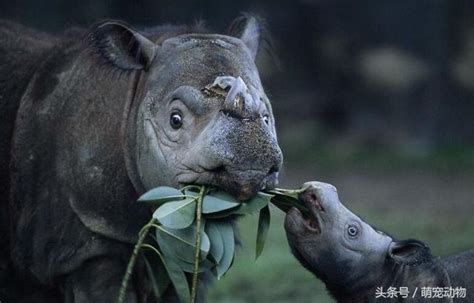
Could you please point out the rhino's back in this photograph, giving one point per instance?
(23, 53)
(20, 51)
(68, 171)
(460, 268)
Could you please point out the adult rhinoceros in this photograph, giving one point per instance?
(91, 120)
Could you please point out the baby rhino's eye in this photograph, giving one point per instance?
(352, 231)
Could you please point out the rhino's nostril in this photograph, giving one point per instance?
(232, 113)
(218, 170)
(313, 199)
(274, 169)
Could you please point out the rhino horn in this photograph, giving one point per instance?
(241, 101)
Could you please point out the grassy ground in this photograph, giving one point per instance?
(408, 201)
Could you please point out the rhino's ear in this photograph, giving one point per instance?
(248, 29)
(410, 252)
(122, 46)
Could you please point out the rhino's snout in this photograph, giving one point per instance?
(242, 156)
(245, 183)
(321, 197)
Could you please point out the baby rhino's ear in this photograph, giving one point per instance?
(122, 46)
(410, 252)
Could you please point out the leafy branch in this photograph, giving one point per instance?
(198, 243)
(192, 234)
(131, 264)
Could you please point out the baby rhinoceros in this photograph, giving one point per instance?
(361, 264)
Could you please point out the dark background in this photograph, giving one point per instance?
(382, 74)
(375, 96)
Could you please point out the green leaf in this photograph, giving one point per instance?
(283, 202)
(217, 243)
(286, 202)
(178, 278)
(227, 233)
(221, 195)
(176, 215)
(215, 203)
(204, 265)
(181, 243)
(255, 204)
(227, 212)
(262, 232)
(159, 195)
(288, 193)
(157, 273)
(293, 193)
(221, 214)
(176, 275)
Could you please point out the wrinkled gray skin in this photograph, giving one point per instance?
(91, 120)
(353, 259)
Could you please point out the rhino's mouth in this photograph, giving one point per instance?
(243, 184)
(311, 222)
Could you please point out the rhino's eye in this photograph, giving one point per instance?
(176, 121)
(352, 231)
(266, 119)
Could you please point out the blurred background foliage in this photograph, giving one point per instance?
(374, 96)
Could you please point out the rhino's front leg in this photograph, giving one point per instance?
(97, 281)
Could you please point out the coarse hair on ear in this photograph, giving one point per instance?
(122, 46)
(249, 29)
(410, 252)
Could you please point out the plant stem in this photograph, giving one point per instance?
(133, 259)
(202, 192)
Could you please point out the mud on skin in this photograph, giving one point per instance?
(353, 258)
(95, 118)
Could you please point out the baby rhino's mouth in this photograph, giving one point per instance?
(312, 224)
(300, 222)
(312, 219)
